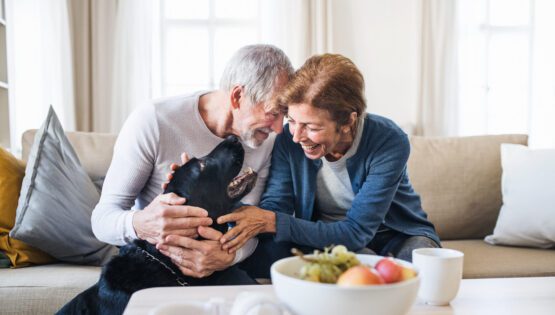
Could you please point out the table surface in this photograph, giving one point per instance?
(503, 296)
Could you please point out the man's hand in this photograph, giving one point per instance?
(173, 167)
(197, 258)
(249, 222)
(167, 215)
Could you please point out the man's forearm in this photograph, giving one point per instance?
(113, 226)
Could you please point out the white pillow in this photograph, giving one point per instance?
(527, 217)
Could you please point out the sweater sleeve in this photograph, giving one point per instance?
(132, 164)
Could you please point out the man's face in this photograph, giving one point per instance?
(257, 121)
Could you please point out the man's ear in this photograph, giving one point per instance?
(235, 96)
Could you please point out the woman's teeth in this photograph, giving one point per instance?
(309, 147)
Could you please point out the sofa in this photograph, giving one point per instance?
(458, 180)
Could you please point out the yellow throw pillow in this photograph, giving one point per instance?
(11, 175)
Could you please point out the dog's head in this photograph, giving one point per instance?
(213, 182)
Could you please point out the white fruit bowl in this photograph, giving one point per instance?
(309, 298)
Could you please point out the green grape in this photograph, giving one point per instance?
(311, 272)
(339, 249)
(326, 267)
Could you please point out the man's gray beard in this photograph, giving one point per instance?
(250, 141)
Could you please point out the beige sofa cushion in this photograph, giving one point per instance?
(93, 149)
(43, 289)
(459, 180)
(482, 260)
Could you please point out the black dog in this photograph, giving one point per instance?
(211, 183)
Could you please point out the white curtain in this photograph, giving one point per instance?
(542, 111)
(41, 71)
(437, 104)
(300, 27)
(132, 64)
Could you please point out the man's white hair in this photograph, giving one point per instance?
(256, 68)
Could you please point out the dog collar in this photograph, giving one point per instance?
(178, 279)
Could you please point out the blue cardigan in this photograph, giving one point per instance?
(383, 192)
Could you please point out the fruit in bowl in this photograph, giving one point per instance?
(360, 275)
(326, 267)
(389, 270)
(352, 293)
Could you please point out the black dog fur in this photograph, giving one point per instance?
(205, 182)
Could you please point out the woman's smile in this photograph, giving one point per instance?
(309, 147)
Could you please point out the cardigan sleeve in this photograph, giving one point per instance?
(279, 195)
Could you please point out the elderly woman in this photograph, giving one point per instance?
(338, 174)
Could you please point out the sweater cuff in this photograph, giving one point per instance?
(129, 234)
(283, 227)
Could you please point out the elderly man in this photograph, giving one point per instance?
(153, 137)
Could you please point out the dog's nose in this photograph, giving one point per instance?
(233, 138)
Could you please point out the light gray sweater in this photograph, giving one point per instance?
(152, 138)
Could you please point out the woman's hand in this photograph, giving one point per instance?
(249, 222)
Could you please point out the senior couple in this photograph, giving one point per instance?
(332, 175)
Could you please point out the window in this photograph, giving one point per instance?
(196, 39)
(495, 65)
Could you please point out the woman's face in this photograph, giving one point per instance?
(317, 133)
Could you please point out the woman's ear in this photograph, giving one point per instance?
(235, 96)
(353, 119)
(352, 123)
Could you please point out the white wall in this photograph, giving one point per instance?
(382, 39)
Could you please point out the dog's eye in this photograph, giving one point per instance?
(202, 165)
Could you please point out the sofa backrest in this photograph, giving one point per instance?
(458, 179)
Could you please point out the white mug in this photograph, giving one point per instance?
(440, 271)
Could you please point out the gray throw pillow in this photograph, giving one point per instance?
(56, 201)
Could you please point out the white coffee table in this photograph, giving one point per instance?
(503, 296)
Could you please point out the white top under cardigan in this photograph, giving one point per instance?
(334, 194)
(152, 138)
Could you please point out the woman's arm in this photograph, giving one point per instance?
(368, 210)
(278, 197)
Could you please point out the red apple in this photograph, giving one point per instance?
(360, 275)
(389, 270)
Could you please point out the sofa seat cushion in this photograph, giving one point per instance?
(482, 260)
(43, 289)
